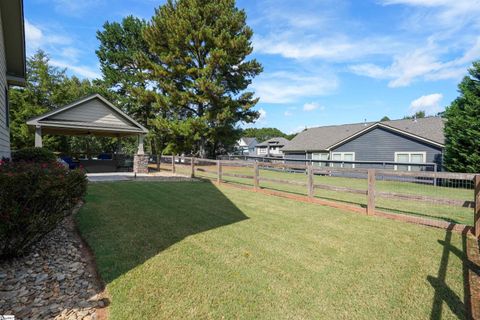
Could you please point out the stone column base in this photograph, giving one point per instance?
(140, 163)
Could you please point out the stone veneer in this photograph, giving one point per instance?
(140, 163)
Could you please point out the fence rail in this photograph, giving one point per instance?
(374, 189)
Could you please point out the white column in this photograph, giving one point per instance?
(38, 137)
(140, 145)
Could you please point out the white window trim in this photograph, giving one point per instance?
(342, 156)
(317, 156)
(409, 168)
(262, 150)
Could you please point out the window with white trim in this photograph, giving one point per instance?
(410, 157)
(343, 156)
(321, 156)
(262, 150)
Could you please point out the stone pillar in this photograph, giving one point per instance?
(140, 163)
(38, 137)
(140, 145)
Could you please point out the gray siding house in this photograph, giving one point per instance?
(246, 146)
(12, 63)
(406, 141)
(271, 147)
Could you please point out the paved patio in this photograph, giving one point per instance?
(130, 176)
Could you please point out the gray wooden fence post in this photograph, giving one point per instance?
(219, 172)
(192, 167)
(255, 176)
(477, 207)
(371, 192)
(173, 163)
(310, 181)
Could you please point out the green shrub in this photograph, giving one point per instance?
(34, 197)
(40, 155)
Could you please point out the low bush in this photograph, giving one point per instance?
(34, 197)
(40, 155)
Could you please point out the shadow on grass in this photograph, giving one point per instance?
(127, 223)
(443, 293)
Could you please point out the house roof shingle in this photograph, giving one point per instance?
(322, 138)
(249, 141)
(278, 141)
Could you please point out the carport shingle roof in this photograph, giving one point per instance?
(322, 138)
(281, 142)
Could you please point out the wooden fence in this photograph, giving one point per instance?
(371, 192)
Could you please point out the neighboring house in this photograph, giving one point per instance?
(271, 147)
(246, 146)
(413, 140)
(12, 63)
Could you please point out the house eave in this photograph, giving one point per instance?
(14, 39)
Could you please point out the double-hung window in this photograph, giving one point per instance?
(262, 150)
(410, 157)
(343, 156)
(322, 157)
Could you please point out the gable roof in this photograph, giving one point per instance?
(248, 141)
(92, 114)
(277, 141)
(14, 40)
(429, 130)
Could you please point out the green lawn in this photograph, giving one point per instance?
(427, 210)
(190, 250)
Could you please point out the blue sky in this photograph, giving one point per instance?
(325, 62)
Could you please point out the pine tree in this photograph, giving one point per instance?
(197, 60)
(462, 128)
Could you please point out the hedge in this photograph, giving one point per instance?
(34, 154)
(34, 198)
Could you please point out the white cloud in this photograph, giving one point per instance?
(37, 38)
(59, 47)
(288, 114)
(79, 70)
(312, 106)
(428, 103)
(334, 47)
(32, 33)
(288, 87)
(263, 114)
(76, 8)
(448, 14)
(422, 63)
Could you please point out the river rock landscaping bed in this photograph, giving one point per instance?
(57, 280)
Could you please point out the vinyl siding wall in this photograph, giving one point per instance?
(381, 145)
(4, 130)
(93, 111)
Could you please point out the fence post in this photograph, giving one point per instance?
(371, 192)
(219, 172)
(477, 207)
(310, 181)
(192, 167)
(173, 163)
(255, 176)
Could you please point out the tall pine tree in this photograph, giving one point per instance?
(197, 60)
(462, 128)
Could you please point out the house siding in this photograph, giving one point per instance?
(380, 145)
(92, 111)
(4, 130)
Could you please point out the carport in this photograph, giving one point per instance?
(92, 115)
